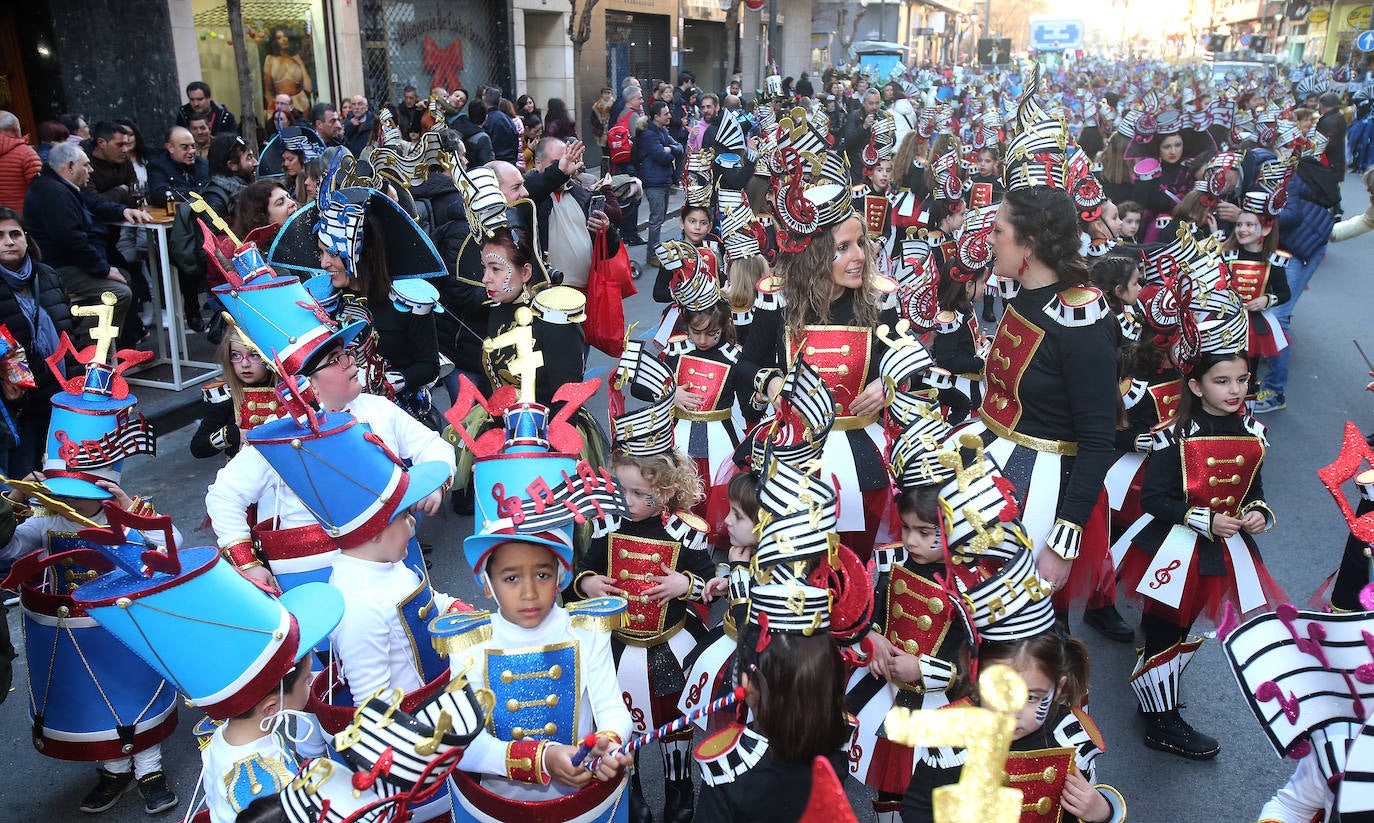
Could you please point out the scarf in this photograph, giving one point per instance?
(41, 329)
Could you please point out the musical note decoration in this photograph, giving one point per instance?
(103, 376)
(1355, 462)
(47, 501)
(135, 558)
(981, 795)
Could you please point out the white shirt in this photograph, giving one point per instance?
(30, 535)
(249, 478)
(1302, 797)
(599, 704)
(371, 642)
(226, 767)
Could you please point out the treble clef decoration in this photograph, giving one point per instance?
(1164, 576)
(694, 693)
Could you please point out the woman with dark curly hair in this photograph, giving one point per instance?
(1049, 411)
(831, 308)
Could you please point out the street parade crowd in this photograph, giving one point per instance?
(945, 357)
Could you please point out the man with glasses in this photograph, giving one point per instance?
(248, 479)
(177, 172)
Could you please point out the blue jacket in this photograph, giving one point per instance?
(1304, 225)
(657, 153)
(505, 143)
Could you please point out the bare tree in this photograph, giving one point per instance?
(732, 28)
(579, 32)
(845, 40)
(248, 117)
(1011, 18)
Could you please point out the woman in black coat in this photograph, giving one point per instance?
(33, 306)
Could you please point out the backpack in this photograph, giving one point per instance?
(619, 143)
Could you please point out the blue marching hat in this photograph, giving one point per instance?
(277, 313)
(93, 428)
(291, 138)
(222, 641)
(343, 473)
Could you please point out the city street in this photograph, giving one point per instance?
(1327, 389)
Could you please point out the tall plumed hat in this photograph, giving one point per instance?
(698, 179)
(488, 213)
(1036, 153)
(881, 140)
(93, 428)
(806, 204)
(741, 232)
(220, 640)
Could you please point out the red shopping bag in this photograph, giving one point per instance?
(608, 284)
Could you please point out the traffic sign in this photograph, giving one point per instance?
(1365, 40)
(1056, 34)
(1245, 39)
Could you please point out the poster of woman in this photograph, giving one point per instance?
(287, 66)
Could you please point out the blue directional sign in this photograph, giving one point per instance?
(1365, 41)
(1051, 35)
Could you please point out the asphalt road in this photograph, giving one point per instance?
(1327, 389)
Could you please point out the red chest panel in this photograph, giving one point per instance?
(918, 612)
(1040, 775)
(875, 209)
(1250, 278)
(260, 404)
(1010, 355)
(704, 377)
(840, 354)
(633, 560)
(1166, 397)
(1219, 470)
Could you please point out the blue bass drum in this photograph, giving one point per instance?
(90, 697)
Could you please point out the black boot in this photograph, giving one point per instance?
(1109, 623)
(989, 299)
(639, 810)
(679, 801)
(1169, 732)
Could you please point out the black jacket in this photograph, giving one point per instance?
(221, 121)
(1332, 124)
(69, 226)
(52, 299)
(165, 176)
(107, 177)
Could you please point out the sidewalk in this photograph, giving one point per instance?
(170, 410)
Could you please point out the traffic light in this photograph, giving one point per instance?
(1216, 42)
(1259, 43)
(994, 51)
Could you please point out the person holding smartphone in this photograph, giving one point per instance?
(573, 215)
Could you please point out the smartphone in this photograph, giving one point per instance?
(569, 140)
(596, 204)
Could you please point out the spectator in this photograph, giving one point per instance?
(681, 106)
(505, 139)
(112, 172)
(77, 130)
(1332, 124)
(600, 118)
(359, 126)
(631, 99)
(631, 103)
(33, 306)
(200, 101)
(566, 227)
(50, 133)
(70, 229)
(19, 163)
(858, 131)
(524, 107)
(476, 142)
(410, 113)
(658, 155)
(262, 203)
(557, 122)
(138, 153)
(512, 182)
(284, 115)
(232, 167)
(199, 126)
(325, 120)
(704, 133)
(178, 172)
(530, 135)
(804, 87)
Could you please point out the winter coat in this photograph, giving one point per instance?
(19, 164)
(1305, 223)
(165, 176)
(657, 153)
(69, 227)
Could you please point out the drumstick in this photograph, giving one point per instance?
(676, 725)
(585, 749)
(1362, 354)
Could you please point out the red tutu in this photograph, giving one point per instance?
(1203, 596)
(1092, 579)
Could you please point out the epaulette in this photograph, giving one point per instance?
(204, 730)
(883, 284)
(1230, 254)
(677, 345)
(1133, 391)
(887, 556)
(769, 296)
(948, 321)
(1099, 248)
(602, 614)
(730, 351)
(1131, 327)
(452, 632)
(560, 305)
(688, 529)
(216, 392)
(1280, 259)
(1256, 428)
(1078, 731)
(946, 757)
(741, 318)
(1078, 306)
(1162, 221)
(729, 753)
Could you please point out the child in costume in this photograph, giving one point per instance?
(1257, 271)
(657, 558)
(959, 346)
(1118, 278)
(242, 400)
(1055, 747)
(90, 700)
(703, 364)
(1192, 552)
(549, 669)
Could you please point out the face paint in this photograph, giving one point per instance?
(650, 500)
(510, 271)
(1043, 710)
